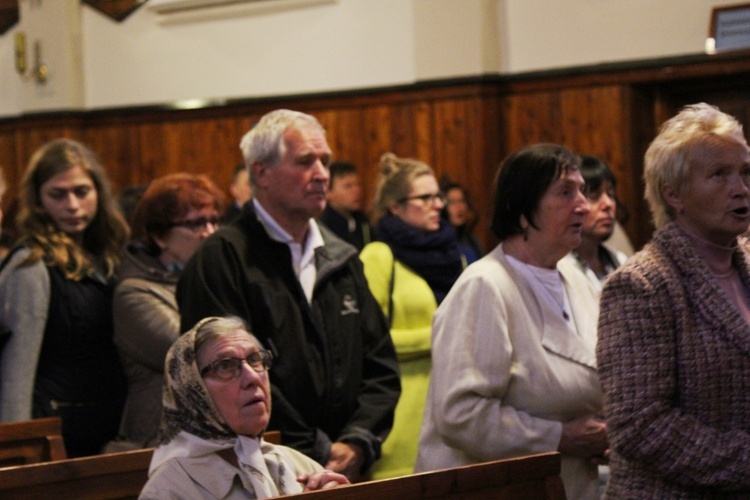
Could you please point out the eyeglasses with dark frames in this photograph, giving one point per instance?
(197, 225)
(430, 198)
(231, 368)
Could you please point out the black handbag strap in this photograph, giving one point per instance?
(6, 260)
(390, 291)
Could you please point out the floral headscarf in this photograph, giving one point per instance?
(187, 405)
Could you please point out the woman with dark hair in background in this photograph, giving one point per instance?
(593, 257)
(513, 361)
(459, 211)
(174, 215)
(56, 299)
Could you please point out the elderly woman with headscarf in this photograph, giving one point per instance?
(513, 362)
(217, 404)
(674, 329)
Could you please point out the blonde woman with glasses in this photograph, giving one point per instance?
(409, 271)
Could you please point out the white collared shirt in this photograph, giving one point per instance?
(303, 255)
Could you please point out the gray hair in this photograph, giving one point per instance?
(264, 142)
(669, 158)
(215, 327)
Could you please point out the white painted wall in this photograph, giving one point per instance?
(544, 34)
(235, 52)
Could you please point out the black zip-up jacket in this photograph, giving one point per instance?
(335, 374)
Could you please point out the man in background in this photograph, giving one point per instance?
(241, 192)
(343, 214)
(303, 293)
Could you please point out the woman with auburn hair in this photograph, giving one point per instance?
(174, 215)
(56, 299)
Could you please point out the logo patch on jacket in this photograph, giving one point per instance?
(349, 305)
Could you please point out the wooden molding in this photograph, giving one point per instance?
(116, 9)
(8, 14)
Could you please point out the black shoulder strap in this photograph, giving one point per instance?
(390, 290)
(6, 260)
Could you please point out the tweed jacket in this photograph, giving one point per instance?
(507, 372)
(146, 322)
(674, 362)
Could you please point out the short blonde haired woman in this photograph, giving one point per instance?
(674, 328)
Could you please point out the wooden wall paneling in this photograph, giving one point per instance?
(480, 179)
(531, 117)
(349, 136)
(345, 133)
(424, 133)
(461, 142)
(378, 138)
(643, 125)
(118, 149)
(405, 135)
(9, 166)
(153, 152)
(454, 123)
(463, 127)
(593, 122)
(208, 146)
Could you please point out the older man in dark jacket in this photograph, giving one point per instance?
(303, 293)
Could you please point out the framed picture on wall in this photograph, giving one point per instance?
(729, 29)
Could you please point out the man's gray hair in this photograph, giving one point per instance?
(264, 142)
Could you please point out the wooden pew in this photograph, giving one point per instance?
(273, 437)
(112, 476)
(31, 442)
(533, 477)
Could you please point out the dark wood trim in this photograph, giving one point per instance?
(8, 14)
(116, 9)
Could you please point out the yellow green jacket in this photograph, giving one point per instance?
(412, 307)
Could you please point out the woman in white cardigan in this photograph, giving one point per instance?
(514, 366)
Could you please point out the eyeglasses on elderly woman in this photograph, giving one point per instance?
(230, 368)
(197, 225)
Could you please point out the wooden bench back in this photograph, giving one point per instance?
(530, 478)
(31, 442)
(123, 475)
(111, 476)
(273, 437)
